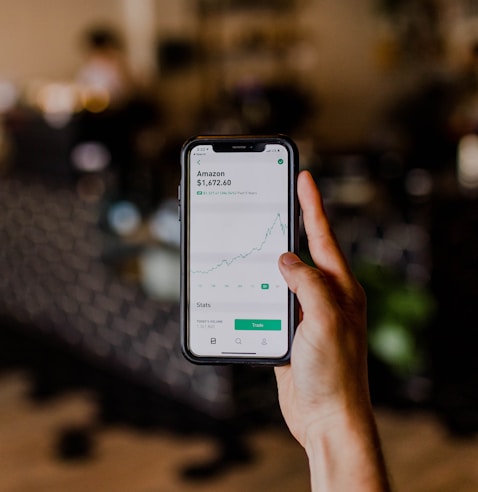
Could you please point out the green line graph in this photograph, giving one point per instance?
(256, 249)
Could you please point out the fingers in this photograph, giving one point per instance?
(308, 283)
(323, 246)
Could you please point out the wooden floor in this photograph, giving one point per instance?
(420, 454)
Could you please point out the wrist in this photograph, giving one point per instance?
(351, 424)
(344, 452)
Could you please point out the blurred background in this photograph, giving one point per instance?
(96, 98)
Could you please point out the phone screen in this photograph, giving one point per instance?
(238, 224)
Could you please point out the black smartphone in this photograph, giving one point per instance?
(239, 213)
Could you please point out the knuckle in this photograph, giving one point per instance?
(360, 294)
(310, 274)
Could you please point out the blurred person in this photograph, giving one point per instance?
(323, 393)
(117, 108)
(105, 73)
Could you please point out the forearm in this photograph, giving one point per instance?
(345, 454)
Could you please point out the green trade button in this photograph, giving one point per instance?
(257, 324)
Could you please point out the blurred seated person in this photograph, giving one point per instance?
(105, 77)
(114, 109)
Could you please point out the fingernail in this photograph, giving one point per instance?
(290, 258)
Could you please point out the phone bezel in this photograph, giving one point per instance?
(237, 143)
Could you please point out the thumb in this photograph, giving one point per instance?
(308, 283)
(288, 264)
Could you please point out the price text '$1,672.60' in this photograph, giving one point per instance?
(213, 182)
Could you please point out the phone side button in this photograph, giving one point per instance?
(179, 203)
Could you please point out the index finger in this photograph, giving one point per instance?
(323, 245)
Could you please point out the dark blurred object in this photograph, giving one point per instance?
(55, 368)
(454, 236)
(74, 444)
(175, 55)
(279, 108)
(257, 108)
(101, 38)
(382, 231)
(423, 118)
(418, 28)
(37, 147)
(117, 129)
(165, 172)
(55, 283)
(221, 5)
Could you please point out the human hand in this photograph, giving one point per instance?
(328, 371)
(323, 392)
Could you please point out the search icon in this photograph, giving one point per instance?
(238, 341)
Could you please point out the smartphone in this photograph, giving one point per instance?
(239, 213)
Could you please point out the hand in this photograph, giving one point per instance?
(328, 368)
(323, 392)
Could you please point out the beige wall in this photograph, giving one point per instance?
(40, 39)
(351, 75)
